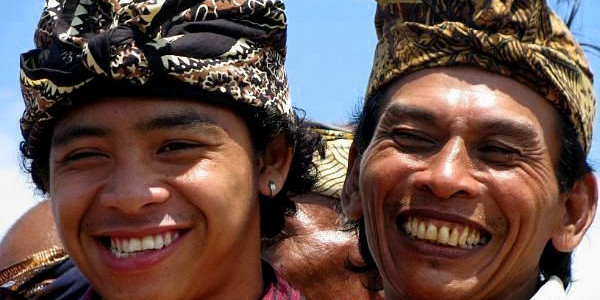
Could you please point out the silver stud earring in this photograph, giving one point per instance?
(272, 188)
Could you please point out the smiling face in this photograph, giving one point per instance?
(151, 196)
(458, 188)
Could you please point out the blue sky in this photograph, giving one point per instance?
(330, 51)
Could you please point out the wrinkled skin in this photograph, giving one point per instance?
(459, 149)
(314, 251)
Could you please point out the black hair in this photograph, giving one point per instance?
(264, 125)
(571, 167)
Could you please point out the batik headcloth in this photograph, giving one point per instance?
(332, 167)
(232, 49)
(522, 39)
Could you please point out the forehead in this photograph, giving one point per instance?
(131, 108)
(111, 114)
(472, 95)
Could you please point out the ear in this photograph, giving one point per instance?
(578, 213)
(274, 165)
(351, 203)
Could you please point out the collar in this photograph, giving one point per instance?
(553, 289)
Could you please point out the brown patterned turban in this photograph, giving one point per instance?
(232, 50)
(522, 39)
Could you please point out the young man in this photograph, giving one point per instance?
(163, 134)
(312, 252)
(468, 173)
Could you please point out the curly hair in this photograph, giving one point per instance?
(571, 167)
(264, 125)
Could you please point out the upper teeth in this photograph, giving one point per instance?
(448, 234)
(124, 247)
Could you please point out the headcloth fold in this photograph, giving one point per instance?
(230, 49)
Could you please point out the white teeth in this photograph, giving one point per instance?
(158, 242)
(443, 235)
(431, 233)
(462, 236)
(462, 239)
(135, 245)
(128, 247)
(421, 231)
(148, 242)
(414, 227)
(168, 238)
(125, 246)
(453, 240)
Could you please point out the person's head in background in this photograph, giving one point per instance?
(317, 245)
(164, 136)
(468, 174)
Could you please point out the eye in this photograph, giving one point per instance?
(412, 140)
(498, 153)
(178, 146)
(80, 155)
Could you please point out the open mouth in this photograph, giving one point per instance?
(443, 233)
(126, 247)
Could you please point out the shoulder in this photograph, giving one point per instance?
(276, 287)
(48, 274)
(33, 232)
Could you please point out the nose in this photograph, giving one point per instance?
(449, 172)
(132, 187)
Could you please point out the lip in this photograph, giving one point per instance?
(434, 250)
(143, 260)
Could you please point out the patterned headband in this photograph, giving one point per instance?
(521, 39)
(233, 50)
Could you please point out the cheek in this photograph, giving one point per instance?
(70, 201)
(529, 202)
(224, 192)
(384, 173)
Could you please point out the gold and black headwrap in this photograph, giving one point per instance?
(522, 39)
(232, 50)
(332, 166)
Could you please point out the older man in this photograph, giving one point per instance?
(468, 173)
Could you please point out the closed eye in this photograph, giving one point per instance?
(409, 140)
(498, 154)
(178, 146)
(83, 154)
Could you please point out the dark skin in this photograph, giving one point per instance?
(312, 254)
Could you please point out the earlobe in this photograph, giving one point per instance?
(579, 210)
(351, 202)
(274, 166)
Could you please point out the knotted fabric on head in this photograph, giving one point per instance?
(522, 39)
(232, 49)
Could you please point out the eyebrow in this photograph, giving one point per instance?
(176, 120)
(507, 127)
(398, 110)
(512, 128)
(76, 132)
